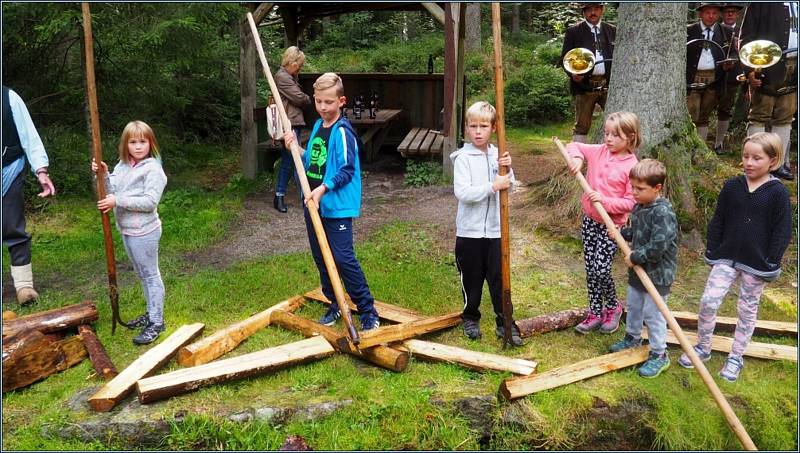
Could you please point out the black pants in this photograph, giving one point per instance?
(479, 260)
(14, 235)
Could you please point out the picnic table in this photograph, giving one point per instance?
(373, 131)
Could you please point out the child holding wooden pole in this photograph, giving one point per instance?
(609, 165)
(750, 230)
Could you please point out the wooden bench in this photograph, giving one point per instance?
(269, 151)
(421, 142)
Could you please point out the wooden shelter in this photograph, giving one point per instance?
(296, 17)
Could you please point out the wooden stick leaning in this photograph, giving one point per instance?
(91, 90)
(505, 255)
(313, 209)
(719, 398)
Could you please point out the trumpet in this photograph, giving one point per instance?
(579, 60)
(758, 55)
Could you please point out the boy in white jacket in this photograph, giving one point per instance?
(476, 184)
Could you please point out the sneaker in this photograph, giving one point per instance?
(149, 333)
(592, 322)
(654, 365)
(472, 329)
(686, 363)
(719, 151)
(516, 339)
(730, 372)
(369, 322)
(610, 319)
(140, 321)
(627, 342)
(331, 316)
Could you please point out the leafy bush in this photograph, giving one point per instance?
(423, 173)
(536, 94)
(549, 53)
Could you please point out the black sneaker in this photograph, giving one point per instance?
(331, 316)
(140, 321)
(472, 329)
(369, 322)
(149, 333)
(516, 340)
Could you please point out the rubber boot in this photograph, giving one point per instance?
(785, 133)
(23, 284)
(722, 129)
(579, 138)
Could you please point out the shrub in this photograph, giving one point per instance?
(423, 173)
(536, 94)
(548, 54)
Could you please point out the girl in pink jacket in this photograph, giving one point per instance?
(608, 167)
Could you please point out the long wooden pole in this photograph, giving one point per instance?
(505, 255)
(97, 152)
(313, 209)
(730, 416)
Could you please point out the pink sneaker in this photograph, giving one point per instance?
(611, 317)
(592, 322)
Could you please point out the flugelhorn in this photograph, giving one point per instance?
(579, 60)
(758, 55)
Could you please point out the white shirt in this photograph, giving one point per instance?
(792, 30)
(29, 140)
(600, 68)
(706, 61)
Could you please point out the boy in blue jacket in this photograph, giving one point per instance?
(334, 176)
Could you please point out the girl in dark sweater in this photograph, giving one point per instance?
(750, 230)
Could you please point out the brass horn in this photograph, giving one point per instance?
(758, 55)
(579, 60)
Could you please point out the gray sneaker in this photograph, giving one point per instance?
(149, 333)
(472, 329)
(685, 362)
(730, 372)
(516, 339)
(626, 343)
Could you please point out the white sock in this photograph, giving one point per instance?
(22, 276)
(722, 129)
(702, 131)
(579, 138)
(785, 133)
(753, 128)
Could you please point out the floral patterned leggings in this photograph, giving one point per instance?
(598, 252)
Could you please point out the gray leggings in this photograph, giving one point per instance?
(143, 252)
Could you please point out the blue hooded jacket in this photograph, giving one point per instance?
(342, 171)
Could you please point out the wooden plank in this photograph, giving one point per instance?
(425, 147)
(386, 311)
(549, 322)
(226, 339)
(39, 358)
(97, 353)
(254, 364)
(438, 144)
(689, 319)
(414, 146)
(474, 360)
(403, 146)
(389, 358)
(754, 349)
(514, 388)
(53, 320)
(148, 363)
(405, 331)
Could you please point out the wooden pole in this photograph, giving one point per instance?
(97, 353)
(730, 416)
(111, 265)
(53, 320)
(505, 255)
(313, 209)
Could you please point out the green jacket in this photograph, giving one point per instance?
(653, 235)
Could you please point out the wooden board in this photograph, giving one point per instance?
(413, 148)
(438, 144)
(257, 363)
(405, 331)
(480, 361)
(53, 320)
(228, 338)
(754, 349)
(689, 319)
(403, 146)
(518, 387)
(425, 147)
(148, 363)
(386, 311)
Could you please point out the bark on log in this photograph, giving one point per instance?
(386, 311)
(39, 358)
(225, 340)
(551, 321)
(408, 330)
(148, 363)
(187, 379)
(727, 324)
(513, 388)
(97, 353)
(53, 320)
(754, 349)
(383, 356)
(480, 361)
(23, 342)
(7, 315)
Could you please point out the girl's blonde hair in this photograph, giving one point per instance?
(626, 124)
(291, 55)
(771, 144)
(137, 129)
(481, 111)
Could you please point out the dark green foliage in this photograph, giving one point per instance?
(536, 94)
(422, 173)
(549, 53)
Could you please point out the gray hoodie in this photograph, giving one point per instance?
(478, 206)
(138, 190)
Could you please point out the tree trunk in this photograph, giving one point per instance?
(473, 24)
(515, 19)
(53, 320)
(97, 353)
(550, 322)
(247, 90)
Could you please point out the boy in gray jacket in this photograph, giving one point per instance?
(476, 184)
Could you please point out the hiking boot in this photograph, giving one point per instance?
(279, 204)
(730, 372)
(472, 329)
(516, 339)
(369, 322)
(26, 295)
(686, 363)
(592, 322)
(331, 316)
(655, 364)
(610, 319)
(149, 333)
(627, 342)
(140, 321)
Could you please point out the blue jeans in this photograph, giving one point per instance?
(143, 252)
(286, 168)
(642, 309)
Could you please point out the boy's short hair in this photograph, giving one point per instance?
(649, 171)
(291, 55)
(626, 124)
(481, 111)
(771, 144)
(329, 80)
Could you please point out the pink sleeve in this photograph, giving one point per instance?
(574, 150)
(623, 204)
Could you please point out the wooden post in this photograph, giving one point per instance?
(687, 347)
(97, 353)
(728, 324)
(408, 330)
(754, 349)
(247, 93)
(386, 311)
(480, 361)
(53, 320)
(550, 322)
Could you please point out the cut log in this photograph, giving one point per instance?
(53, 320)
(225, 340)
(754, 349)
(399, 332)
(551, 321)
(184, 380)
(39, 358)
(23, 342)
(97, 353)
(480, 361)
(386, 311)
(514, 388)
(383, 356)
(148, 363)
(689, 319)
(7, 315)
